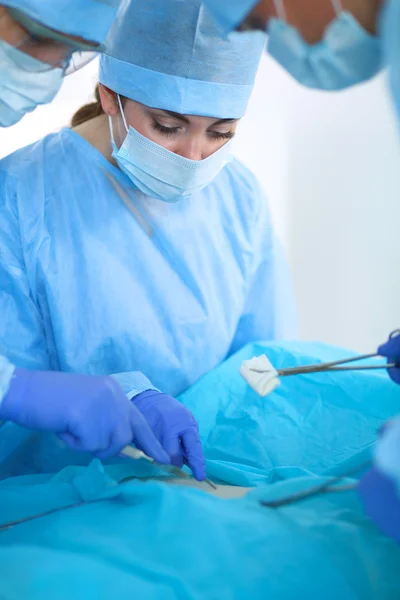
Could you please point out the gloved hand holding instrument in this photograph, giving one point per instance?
(92, 414)
(175, 428)
(89, 413)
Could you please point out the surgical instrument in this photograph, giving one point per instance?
(334, 365)
(135, 454)
(323, 488)
(9, 524)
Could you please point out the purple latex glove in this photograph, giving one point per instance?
(391, 349)
(88, 413)
(379, 488)
(381, 502)
(176, 429)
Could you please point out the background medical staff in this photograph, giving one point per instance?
(331, 46)
(39, 40)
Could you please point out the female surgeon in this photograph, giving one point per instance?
(133, 243)
(38, 40)
(332, 45)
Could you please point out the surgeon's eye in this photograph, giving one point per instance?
(168, 131)
(219, 135)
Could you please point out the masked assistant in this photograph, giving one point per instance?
(42, 52)
(346, 55)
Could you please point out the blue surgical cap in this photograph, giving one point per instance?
(230, 13)
(171, 55)
(88, 19)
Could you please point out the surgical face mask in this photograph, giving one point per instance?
(25, 82)
(161, 174)
(346, 55)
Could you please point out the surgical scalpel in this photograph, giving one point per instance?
(132, 452)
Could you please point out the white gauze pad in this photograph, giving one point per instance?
(260, 375)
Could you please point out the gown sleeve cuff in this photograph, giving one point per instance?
(134, 383)
(6, 373)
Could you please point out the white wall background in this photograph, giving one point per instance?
(330, 166)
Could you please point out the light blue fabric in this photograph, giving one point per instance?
(317, 423)
(172, 56)
(89, 19)
(197, 547)
(390, 24)
(134, 383)
(230, 14)
(324, 547)
(6, 372)
(167, 290)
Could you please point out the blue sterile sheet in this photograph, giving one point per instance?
(136, 538)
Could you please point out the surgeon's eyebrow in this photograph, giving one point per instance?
(174, 115)
(222, 121)
(184, 119)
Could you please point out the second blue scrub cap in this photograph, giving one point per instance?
(172, 55)
(230, 13)
(88, 19)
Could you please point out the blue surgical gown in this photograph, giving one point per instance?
(97, 278)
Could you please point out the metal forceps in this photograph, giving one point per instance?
(324, 488)
(336, 365)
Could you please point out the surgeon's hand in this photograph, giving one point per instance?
(379, 489)
(176, 429)
(391, 349)
(89, 413)
(381, 502)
